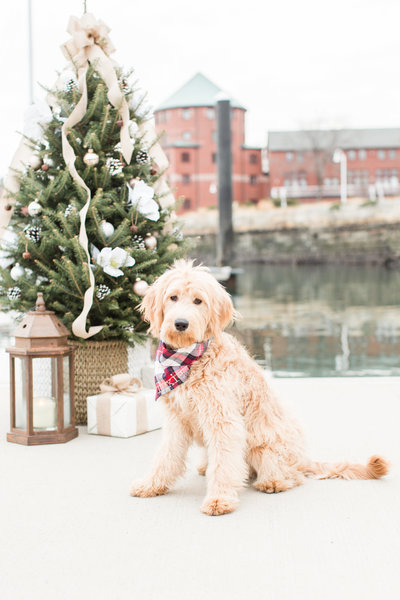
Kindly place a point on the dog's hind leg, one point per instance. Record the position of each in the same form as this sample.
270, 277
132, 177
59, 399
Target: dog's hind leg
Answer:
169, 462
273, 473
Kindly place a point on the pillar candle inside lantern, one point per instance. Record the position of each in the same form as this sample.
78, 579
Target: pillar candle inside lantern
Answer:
44, 413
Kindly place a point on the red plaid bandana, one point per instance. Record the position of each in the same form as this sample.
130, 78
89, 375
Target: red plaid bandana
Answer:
172, 366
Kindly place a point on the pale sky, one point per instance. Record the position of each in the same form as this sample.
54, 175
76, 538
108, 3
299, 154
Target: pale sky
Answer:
292, 64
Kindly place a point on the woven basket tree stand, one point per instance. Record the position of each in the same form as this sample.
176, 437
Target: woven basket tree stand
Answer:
94, 361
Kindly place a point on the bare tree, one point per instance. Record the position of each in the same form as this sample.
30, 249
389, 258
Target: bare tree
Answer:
322, 144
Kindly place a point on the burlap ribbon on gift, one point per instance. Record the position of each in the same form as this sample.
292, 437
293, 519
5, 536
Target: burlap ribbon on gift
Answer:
120, 384
90, 44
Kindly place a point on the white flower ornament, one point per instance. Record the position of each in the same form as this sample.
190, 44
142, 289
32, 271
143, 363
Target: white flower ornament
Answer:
141, 196
113, 259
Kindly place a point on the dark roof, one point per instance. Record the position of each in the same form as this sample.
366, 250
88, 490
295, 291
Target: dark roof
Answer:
198, 91
285, 141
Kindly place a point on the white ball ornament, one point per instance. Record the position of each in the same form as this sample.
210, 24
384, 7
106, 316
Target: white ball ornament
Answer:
17, 272
107, 228
34, 208
91, 158
140, 287
35, 162
150, 241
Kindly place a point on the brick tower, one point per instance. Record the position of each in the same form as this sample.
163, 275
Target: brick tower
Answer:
188, 118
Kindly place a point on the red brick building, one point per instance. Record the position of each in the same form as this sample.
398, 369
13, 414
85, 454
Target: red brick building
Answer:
301, 162
188, 119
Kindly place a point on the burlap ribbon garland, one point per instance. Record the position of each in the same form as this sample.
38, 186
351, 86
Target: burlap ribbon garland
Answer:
90, 44
148, 134
120, 384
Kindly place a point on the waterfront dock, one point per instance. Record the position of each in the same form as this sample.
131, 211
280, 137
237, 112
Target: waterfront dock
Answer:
70, 529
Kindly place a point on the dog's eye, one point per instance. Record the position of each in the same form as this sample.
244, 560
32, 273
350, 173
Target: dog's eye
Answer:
174, 298
197, 301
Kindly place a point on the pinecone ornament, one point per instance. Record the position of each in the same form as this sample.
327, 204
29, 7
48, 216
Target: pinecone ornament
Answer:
115, 166
124, 85
33, 232
139, 242
142, 157
102, 291
70, 208
14, 293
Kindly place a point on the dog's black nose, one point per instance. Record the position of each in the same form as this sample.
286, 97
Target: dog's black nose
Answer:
181, 324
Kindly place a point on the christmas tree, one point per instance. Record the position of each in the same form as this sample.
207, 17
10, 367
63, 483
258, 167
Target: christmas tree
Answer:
91, 221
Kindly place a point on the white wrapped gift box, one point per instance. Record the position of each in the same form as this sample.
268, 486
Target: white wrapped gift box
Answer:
121, 414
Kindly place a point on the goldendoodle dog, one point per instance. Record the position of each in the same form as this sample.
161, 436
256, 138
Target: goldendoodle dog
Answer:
217, 396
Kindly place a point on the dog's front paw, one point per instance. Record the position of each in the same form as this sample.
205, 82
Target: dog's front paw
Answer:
146, 489
218, 506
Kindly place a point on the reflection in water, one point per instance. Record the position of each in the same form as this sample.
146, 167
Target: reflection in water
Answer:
320, 320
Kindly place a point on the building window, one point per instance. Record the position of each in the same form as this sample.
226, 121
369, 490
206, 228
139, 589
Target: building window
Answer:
187, 204
295, 179
210, 113
358, 177
253, 159
387, 177
381, 154
253, 179
300, 157
392, 154
362, 155
186, 114
214, 157
351, 155
185, 179
185, 157
214, 136
186, 135
328, 181
289, 156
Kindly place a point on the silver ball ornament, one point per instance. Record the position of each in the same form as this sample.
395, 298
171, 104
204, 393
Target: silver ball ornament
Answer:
150, 241
140, 287
107, 228
91, 158
34, 208
17, 272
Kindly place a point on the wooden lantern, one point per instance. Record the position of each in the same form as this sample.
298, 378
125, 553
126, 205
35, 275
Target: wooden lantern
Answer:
41, 380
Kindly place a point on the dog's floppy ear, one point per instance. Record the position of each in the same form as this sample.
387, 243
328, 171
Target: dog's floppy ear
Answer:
222, 313
152, 308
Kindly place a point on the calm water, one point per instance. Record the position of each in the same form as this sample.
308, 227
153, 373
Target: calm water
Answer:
320, 320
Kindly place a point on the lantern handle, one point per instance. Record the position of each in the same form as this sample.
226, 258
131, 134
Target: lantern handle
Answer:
40, 305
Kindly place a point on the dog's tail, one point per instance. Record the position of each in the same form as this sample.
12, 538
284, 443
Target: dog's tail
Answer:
376, 468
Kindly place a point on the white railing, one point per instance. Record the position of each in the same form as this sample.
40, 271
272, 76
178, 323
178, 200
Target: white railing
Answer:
371, 191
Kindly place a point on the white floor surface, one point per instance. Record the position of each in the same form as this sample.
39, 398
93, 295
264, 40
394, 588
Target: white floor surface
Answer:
69, 529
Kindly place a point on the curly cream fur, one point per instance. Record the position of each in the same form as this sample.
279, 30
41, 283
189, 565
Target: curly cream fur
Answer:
226, 406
